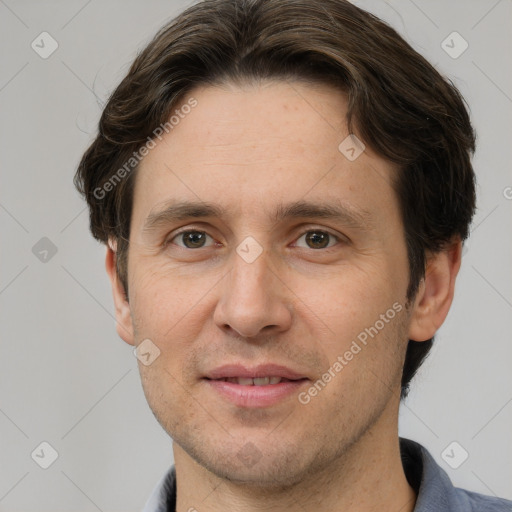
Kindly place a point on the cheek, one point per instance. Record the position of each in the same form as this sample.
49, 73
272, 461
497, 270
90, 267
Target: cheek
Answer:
351, 298
162, 302
171, 312
365, 364
362, 315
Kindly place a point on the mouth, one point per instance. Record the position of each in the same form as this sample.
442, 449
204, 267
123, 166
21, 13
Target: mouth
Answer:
257, 387
257, 381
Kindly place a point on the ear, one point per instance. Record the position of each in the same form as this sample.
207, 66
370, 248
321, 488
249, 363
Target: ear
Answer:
124, 325
435, 293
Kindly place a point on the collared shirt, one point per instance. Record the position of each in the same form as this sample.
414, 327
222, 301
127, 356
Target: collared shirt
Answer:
434, 490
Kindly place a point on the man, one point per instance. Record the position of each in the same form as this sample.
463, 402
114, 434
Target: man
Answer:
284, 188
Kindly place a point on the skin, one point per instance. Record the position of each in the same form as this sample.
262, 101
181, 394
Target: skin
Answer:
248, 148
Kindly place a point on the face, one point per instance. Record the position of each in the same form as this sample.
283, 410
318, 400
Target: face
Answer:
296, 276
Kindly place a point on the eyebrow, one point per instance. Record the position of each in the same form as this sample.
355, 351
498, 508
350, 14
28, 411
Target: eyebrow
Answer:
184, 210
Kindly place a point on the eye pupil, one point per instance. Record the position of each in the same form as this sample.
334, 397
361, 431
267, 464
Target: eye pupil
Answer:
196, 237
315, 237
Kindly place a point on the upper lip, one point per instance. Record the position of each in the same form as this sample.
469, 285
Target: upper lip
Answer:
262, 370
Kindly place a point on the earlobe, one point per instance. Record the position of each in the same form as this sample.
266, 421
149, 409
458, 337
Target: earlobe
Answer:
124, 325
435, 293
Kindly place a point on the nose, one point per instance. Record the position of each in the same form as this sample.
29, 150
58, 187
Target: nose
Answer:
254, 300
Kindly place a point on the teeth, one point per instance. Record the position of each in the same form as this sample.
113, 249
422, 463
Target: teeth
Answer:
261, 381
244, 381
258, 381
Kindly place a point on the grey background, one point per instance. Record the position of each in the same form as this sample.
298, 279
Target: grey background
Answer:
65, 376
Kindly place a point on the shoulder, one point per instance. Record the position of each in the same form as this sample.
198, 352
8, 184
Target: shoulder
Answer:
163, 497
434, 489
475, 502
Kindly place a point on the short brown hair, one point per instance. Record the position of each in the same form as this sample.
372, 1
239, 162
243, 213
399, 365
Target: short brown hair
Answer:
398, 104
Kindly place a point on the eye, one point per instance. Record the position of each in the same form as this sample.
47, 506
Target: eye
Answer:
195, 239
191, 239
317, 239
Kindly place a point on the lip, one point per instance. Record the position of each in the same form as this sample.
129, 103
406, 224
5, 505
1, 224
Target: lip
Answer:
254, 396
262, 370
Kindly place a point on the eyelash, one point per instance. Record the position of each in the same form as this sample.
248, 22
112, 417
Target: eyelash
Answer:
189, 230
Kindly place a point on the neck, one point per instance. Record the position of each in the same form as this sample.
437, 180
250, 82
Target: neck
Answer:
369, 477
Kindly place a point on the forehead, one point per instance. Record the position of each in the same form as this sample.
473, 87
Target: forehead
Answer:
295, 113
253, 146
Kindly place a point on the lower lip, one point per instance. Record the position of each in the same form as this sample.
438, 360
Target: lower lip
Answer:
256, 396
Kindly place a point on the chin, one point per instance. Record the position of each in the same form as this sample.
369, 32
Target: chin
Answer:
255, 464
268, 476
